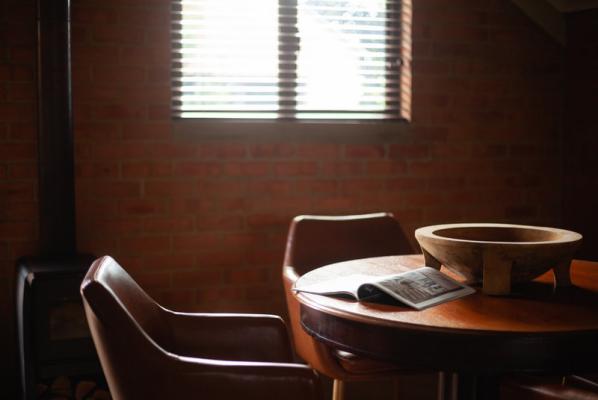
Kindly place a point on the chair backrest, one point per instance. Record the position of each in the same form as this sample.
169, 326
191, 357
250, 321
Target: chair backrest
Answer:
314, 241
129, 331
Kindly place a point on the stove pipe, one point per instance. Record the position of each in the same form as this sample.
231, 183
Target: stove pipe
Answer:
55, 131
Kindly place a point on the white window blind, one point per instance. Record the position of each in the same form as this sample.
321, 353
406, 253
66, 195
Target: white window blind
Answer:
291, 59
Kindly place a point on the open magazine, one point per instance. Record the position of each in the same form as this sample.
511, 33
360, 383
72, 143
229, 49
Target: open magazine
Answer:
419, 288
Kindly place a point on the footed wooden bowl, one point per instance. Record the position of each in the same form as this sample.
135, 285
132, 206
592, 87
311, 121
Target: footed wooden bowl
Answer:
499, 255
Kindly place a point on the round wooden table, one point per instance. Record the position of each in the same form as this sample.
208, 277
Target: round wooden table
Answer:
474, 339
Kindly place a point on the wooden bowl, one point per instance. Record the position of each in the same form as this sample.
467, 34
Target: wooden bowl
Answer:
499, 255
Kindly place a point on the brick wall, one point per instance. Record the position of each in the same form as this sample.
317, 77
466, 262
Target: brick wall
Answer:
581, 130
200, 217
18, 166
198, 213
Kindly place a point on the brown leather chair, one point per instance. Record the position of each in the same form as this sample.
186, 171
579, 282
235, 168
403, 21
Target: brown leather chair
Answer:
529, 387
315, 241
149, 352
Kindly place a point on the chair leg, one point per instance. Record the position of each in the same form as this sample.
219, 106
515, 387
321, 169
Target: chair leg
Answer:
338, 390
396, 389
447, 386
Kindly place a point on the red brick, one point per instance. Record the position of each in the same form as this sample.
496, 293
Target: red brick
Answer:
17, 190
4, 72
97, 131
272, 150
120, 112
158, 262
110, 189
196, 279
142, 55
118, 225
87, 205
139, 93
17, 248
219, 222
119, 34
247, 276
356, 187
177, 299
16, 230
169, 188
409, 151
270, 187
176, 225
220, 258
21, 91
421, 198
22, 171
222, 151
267, 221
197, 242
242, 240
18, 210
159, 112
94, 15
198, 169
15, 111
17, 151
317, 151
521, 211
153, 280
386, 167
22, 73
95, 55
160, 75
146, 169
145, 245
315, 187
97, 170
22, 55
249, 168
295, 168
142, 206
145, 16
210, 296
262, 292
23, 131
364, 151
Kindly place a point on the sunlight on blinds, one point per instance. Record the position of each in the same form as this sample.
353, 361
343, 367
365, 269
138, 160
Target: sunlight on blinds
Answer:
286, 58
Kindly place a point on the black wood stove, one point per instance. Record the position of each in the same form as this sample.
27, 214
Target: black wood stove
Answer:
54, 340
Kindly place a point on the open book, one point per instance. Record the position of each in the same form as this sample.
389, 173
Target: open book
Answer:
419, 288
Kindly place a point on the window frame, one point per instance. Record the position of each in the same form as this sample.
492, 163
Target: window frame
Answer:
404, 73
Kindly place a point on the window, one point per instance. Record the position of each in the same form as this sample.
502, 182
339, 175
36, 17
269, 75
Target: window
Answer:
291, 59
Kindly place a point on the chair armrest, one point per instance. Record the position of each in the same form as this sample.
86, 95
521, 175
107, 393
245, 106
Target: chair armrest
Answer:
289, 274
241, 337
247, 380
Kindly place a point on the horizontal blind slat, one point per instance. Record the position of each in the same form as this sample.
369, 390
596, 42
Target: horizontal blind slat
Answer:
286, 58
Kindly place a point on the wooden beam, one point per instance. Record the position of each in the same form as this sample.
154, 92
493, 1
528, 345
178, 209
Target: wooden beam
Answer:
546, 16
573, 5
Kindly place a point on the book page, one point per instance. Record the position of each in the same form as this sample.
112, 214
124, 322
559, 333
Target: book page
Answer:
420, 285
346, 285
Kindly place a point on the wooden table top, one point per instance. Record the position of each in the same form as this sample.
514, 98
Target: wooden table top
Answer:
534, 329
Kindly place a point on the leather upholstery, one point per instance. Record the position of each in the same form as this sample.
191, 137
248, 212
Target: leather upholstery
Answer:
572, 387
149, 352
314, 241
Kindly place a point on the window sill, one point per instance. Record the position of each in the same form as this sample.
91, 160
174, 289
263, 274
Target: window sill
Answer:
297, 130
